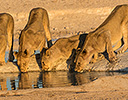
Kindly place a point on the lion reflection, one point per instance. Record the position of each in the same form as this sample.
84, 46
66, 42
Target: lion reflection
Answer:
28, 80
62, 78
50, 79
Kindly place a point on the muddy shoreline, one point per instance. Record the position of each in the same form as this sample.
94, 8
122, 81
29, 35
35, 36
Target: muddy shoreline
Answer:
68, 16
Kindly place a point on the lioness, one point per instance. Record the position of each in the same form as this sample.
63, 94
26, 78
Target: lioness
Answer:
107, 35
6, 36
33, 37
60, 51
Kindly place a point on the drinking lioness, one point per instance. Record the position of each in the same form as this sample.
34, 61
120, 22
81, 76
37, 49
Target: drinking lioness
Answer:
107, 35
6, 36
33, 37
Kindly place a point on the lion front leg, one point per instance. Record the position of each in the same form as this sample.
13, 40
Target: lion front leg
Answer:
2, 53
10, 29
125, 38
111, 54
2, 58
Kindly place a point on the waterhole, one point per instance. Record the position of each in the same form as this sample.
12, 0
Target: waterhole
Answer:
32, 80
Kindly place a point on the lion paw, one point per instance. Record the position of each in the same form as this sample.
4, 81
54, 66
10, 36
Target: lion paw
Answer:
45, 68
120, 51
79, 70
113, 59
123, 49
92, 61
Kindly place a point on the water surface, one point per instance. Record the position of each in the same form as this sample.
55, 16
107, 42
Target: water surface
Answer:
31, 80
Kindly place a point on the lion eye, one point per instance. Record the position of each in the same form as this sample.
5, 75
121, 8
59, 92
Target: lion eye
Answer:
24, 64
47, 54
84, 51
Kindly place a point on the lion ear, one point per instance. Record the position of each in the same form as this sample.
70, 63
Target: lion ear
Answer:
15, 54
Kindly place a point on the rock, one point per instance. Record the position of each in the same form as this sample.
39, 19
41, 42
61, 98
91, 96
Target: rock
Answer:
104, 65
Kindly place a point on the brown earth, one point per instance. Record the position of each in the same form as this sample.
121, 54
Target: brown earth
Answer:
67, 17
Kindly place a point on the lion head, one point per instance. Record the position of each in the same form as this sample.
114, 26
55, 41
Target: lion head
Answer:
22, 60
83, 58
50, 57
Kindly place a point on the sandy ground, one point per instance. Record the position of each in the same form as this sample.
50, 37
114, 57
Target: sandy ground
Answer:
67, 17
105, 88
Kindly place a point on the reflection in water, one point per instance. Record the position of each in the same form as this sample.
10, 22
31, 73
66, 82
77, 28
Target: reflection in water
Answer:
24, 81
28, 80
54, 79
3, 84
14, 81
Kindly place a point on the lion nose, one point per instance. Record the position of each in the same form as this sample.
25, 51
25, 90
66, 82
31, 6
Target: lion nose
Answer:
78, 63
43, 63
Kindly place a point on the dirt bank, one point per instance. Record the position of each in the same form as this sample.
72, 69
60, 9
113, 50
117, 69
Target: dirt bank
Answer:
67, 16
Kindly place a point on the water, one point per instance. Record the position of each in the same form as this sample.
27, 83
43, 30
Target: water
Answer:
6, 56
32, 80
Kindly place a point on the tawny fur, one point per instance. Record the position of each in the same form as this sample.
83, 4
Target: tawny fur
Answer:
33, 37
61, 51
6, 36
107, 35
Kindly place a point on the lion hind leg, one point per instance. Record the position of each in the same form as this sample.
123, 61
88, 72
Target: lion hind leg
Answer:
2, 58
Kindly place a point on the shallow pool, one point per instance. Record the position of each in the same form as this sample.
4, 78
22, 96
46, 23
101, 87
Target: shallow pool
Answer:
31, 80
